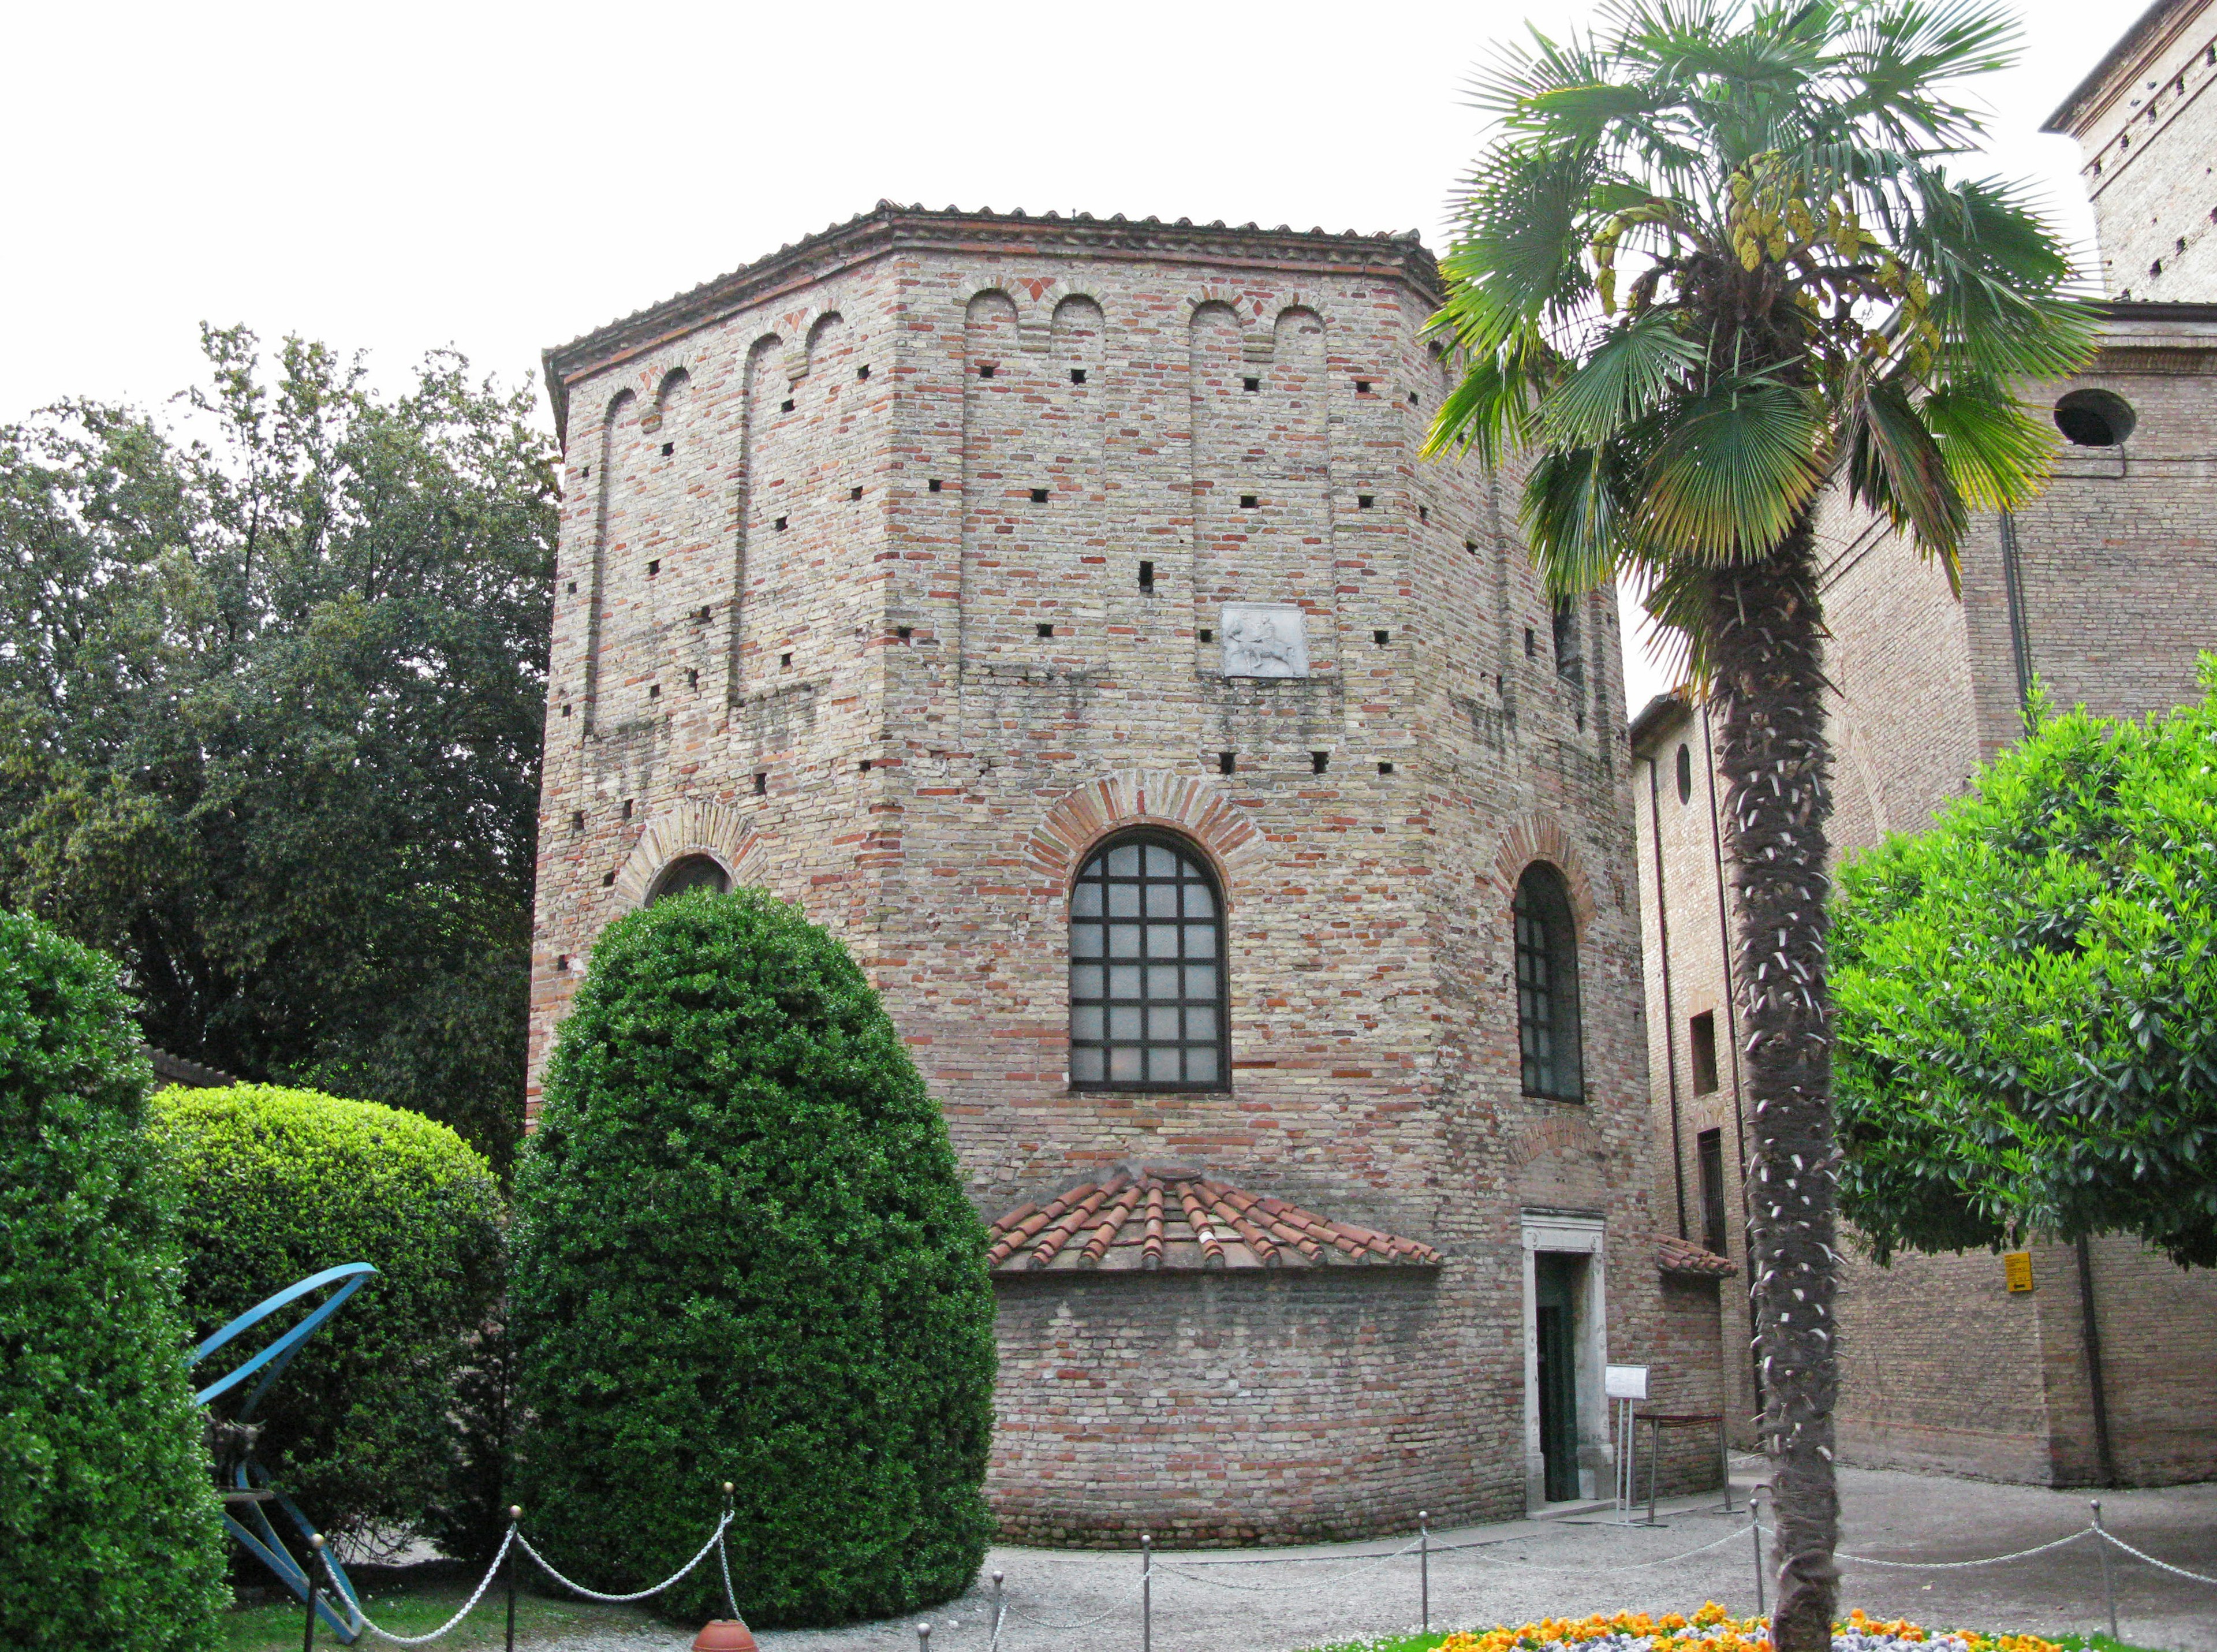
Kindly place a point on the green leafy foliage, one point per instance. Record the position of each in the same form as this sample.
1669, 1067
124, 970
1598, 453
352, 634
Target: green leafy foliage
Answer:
744, 1253
270, 712
2028, 999
280, 1183
108, 1533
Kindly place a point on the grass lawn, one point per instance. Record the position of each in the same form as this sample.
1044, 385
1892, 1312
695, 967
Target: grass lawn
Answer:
416, 1600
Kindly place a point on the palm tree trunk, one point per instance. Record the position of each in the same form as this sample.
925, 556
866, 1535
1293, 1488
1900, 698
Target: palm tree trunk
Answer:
1767, 692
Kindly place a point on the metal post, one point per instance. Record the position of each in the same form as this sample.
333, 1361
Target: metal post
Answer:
515, 1519
1755, 1531
1146, 1593
1654, 1457
996, 1605
2108, 1595
1424, 1568
1724, 1459
315, 1591
923, 1637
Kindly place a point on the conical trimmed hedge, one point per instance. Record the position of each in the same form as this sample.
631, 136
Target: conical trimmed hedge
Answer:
108, 1532
743, 1253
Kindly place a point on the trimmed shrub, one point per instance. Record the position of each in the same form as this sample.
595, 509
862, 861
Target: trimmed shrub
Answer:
108, 1532
280, 1184
743, 1252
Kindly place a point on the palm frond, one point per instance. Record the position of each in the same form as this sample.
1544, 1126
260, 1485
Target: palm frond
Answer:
1492, 409
1623, 379
1573, 512
1894, 465
1999, 454
1999, 277
1732, 472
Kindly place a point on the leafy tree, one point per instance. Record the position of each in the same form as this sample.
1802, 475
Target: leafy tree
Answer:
2028, 999
744, 1253
108, 1533
271, 700
276, 1184
1708, 261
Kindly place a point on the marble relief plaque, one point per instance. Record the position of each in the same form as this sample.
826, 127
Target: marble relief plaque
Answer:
1264, 640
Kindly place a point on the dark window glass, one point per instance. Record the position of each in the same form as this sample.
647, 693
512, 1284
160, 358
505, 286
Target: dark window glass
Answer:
692, 872
1704, 1044
1547, 987
1685, 775
1146, 970
1709, 1150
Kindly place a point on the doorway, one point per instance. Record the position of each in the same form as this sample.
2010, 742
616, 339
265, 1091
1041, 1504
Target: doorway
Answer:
1556, 1277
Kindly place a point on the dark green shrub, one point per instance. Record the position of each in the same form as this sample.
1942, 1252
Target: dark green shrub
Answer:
279, 1184
743, 1252
108, 1533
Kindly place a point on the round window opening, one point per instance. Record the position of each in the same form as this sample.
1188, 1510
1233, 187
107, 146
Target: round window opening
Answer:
692, 872
2094, 418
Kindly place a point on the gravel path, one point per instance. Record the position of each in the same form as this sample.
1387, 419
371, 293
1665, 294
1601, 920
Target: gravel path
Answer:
1285, 1599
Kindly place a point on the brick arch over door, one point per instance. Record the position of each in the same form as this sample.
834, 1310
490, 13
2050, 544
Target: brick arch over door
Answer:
690, 827
1179, 803
1540, 836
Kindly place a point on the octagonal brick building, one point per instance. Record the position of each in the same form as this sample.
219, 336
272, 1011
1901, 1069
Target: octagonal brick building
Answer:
1058, 609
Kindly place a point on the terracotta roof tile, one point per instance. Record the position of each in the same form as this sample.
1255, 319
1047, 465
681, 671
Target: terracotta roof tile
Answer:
1154, 1219
1683, 1256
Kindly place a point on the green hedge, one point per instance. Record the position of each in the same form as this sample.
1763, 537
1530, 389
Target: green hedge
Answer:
743, 1252
108, 1533
280, 1183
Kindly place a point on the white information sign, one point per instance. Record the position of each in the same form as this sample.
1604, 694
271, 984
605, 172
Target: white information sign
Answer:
1626, 1381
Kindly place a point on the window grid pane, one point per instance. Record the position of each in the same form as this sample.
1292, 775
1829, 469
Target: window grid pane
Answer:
1546, 993
1159, 1022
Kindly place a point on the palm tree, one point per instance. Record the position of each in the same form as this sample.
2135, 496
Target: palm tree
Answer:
1806, 298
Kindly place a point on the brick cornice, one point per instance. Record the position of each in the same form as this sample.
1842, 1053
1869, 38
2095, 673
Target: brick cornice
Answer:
890, 227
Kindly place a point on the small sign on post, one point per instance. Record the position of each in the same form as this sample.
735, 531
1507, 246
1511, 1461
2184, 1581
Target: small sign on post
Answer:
2016, 1270
1627, 1385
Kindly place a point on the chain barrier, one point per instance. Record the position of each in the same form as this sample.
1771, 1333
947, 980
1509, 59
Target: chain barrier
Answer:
1954, 1565
1014, 1611
715, 1539
1193, 1576
1542, 1566
363, 1619
2116, 1542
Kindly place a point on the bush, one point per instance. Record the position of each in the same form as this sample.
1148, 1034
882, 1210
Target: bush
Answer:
280, 1184
108, 1532
743, 1252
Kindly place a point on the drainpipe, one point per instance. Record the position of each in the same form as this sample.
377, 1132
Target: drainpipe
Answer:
1670, 1017
2013, 600
1732, 1036
2103, 1457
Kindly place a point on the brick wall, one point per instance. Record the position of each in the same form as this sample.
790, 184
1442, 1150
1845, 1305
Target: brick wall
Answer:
916, 710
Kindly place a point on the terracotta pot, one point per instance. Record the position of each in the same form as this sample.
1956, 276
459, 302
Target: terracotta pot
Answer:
724, 1635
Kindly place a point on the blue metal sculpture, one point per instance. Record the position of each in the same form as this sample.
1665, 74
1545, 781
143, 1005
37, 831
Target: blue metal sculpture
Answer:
248, 1487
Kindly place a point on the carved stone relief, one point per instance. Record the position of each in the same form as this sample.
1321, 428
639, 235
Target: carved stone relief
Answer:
1265, 639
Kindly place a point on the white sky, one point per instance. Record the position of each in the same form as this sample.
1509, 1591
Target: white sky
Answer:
398, 176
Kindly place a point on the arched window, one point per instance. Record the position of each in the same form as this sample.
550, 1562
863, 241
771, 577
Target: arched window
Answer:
1548, 985
691, 872
1146, 969
1685, 775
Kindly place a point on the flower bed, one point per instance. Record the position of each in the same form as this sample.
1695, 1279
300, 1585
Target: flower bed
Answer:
1715, 1630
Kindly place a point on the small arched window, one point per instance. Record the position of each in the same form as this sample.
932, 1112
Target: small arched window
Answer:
1547, 987
691, 872
1146, 969
1685, 775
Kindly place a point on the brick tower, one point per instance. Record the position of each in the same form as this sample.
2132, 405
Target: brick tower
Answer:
977, 581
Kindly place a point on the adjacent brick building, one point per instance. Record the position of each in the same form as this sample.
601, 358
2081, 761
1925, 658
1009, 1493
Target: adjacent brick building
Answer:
2103, 590
1057, 609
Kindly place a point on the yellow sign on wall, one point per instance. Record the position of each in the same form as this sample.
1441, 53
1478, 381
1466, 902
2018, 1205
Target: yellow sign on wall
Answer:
2017, 1268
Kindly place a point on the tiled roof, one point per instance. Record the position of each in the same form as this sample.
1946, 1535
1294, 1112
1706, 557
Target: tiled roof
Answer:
1157, 1219
1683, 1256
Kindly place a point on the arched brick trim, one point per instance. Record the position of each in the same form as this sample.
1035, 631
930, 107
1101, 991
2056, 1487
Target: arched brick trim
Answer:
1540, 836
692, 828
1181, 804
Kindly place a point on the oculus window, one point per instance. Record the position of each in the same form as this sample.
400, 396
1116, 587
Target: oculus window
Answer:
1146, 969
1547, 987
